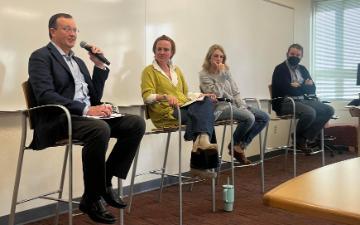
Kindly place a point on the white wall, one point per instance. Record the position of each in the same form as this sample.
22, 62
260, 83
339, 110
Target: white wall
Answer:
255, 34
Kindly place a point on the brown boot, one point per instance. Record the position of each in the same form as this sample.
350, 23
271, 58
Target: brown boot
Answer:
203, 142
239, 154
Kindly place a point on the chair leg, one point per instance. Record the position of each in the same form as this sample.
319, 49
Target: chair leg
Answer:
322, 147
288, 144
294, 145
18, 170
232, 146
121, 193
221, 153
70, 183
61, 187
262, 156
213, 181
261, 162
180, 176
131, 191
289, 134
163, 169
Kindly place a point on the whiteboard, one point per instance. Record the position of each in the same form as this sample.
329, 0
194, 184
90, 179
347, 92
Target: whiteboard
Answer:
254, 33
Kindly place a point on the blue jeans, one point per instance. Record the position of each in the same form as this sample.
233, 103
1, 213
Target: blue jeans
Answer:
198, 118
251, 121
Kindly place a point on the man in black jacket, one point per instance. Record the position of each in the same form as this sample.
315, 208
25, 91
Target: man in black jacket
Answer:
57, 76
290, 79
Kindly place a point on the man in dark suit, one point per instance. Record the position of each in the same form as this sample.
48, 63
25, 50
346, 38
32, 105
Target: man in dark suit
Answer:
57, 76
290, 79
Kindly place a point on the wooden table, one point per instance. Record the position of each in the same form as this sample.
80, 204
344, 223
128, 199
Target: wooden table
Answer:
331, 192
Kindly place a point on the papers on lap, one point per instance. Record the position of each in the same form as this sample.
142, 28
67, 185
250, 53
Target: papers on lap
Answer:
113, 115
201, 98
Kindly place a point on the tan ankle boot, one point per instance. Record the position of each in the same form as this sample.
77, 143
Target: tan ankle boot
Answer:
202, 142
239, 154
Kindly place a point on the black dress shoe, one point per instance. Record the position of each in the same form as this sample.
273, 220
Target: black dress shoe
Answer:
113, 200
314, 144
304, 148
96, 211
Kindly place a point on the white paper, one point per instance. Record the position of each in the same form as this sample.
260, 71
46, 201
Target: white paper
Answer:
201, 98
113, 115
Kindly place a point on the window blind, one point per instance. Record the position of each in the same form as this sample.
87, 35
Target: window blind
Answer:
336, 48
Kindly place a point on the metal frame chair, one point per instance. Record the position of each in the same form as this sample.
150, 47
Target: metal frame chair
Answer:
162, 171
68, 157
231, 123
68, 143
232, 163
292, 129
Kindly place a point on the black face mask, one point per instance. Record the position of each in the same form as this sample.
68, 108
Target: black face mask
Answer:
293, 60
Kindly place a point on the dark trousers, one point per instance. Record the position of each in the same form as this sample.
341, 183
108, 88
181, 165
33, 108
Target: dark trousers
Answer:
95, 134
198, 118
312, 116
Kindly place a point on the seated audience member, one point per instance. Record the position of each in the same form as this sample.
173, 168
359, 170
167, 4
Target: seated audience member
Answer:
215, 78
290, 79
57, 76
163, 89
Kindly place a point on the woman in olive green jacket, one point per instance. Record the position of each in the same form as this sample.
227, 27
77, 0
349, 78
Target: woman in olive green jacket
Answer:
164, 88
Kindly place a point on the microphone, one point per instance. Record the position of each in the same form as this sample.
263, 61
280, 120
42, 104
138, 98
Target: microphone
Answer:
101, 57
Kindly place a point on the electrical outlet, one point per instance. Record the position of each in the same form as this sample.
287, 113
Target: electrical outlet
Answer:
275, 129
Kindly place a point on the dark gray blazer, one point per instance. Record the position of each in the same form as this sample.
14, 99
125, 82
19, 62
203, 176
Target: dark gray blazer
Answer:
52, 83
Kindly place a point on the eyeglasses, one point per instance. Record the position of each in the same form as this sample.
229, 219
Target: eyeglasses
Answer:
69, 29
